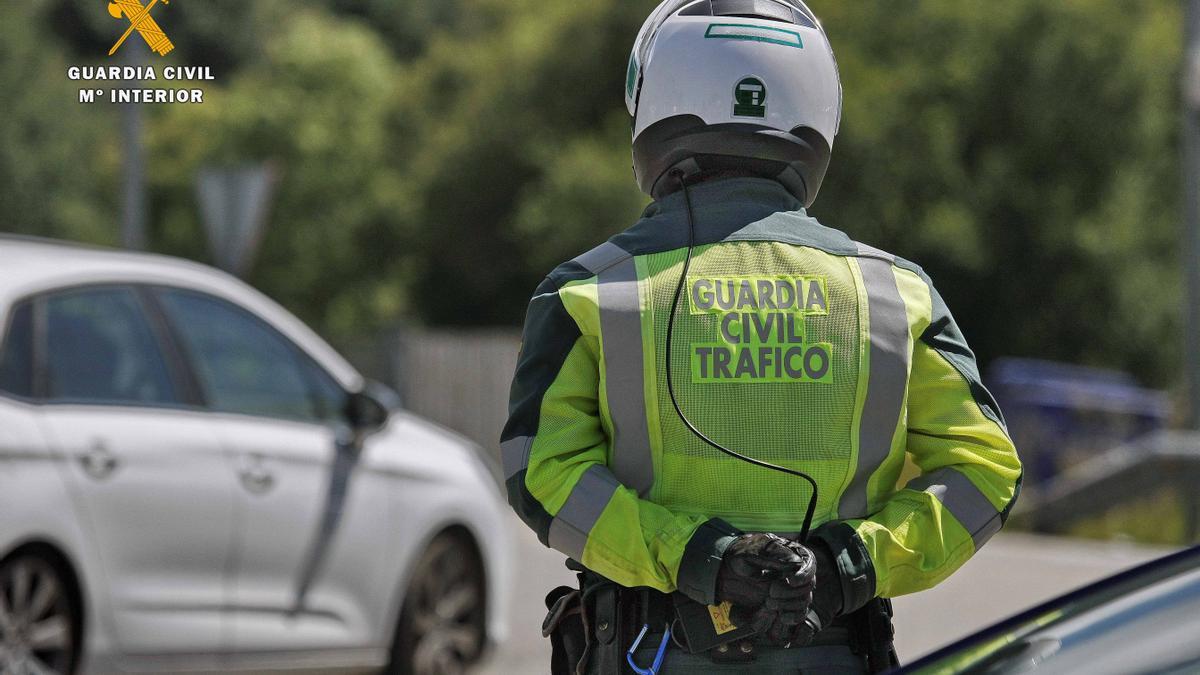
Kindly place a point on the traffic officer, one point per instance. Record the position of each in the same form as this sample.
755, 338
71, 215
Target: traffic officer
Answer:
698, 391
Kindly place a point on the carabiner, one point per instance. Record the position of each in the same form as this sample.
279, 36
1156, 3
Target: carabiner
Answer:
658, 658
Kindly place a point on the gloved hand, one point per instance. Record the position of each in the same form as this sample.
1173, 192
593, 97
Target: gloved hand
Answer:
826, 599
769, 581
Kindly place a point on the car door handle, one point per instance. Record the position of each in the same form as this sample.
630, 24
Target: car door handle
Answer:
98, 462
257, 479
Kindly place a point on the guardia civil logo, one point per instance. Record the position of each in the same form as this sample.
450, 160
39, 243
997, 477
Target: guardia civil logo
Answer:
750, 98
138, 17
137, 82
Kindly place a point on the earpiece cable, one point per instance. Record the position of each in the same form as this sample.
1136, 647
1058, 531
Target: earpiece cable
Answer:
812, 502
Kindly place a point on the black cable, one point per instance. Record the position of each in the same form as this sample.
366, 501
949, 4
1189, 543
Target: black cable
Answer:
812, 502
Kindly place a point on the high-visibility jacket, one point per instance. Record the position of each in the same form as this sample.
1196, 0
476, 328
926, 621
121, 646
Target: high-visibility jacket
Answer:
793, 344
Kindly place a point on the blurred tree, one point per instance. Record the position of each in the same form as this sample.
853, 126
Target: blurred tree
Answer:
315, 105
57, 157
407, 26
1025, 154
517, 153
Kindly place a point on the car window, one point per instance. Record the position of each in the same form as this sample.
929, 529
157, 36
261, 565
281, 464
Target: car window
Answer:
16, 363
100, 349
243, 365
329, 396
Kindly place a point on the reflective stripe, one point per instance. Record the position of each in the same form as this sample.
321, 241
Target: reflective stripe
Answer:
621, 337
963, 500
602, 257
514, 453
570, 528
887, 380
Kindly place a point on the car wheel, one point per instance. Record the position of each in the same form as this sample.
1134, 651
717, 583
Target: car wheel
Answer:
39, 622
442, 622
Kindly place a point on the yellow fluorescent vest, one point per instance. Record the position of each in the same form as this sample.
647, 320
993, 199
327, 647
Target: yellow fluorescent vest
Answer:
794, 345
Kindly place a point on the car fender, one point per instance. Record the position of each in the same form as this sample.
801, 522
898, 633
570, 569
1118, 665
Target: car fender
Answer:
452, 487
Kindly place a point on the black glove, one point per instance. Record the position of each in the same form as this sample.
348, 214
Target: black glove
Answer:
769, 581
826, 599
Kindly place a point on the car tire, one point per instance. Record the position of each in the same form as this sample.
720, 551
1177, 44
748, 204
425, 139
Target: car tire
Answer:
40, 620
442, 627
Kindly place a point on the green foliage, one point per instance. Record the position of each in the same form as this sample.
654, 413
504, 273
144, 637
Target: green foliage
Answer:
316, 106
438, 157
1025, 154
57, 159
406, 26
505, 128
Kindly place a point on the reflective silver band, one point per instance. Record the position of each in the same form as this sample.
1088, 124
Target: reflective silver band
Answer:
602, 257
570, 528
887, 380
514, 454
621, 337
970, 507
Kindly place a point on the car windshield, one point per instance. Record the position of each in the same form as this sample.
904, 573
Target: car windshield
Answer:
1145, 620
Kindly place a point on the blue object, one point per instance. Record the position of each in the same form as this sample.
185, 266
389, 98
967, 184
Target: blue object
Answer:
1060, 414
658, 657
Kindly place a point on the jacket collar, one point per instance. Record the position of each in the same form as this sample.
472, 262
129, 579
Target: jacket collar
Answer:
720, 207
758, 192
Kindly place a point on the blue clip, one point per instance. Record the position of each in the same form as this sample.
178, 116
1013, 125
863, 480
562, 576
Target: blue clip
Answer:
658, 658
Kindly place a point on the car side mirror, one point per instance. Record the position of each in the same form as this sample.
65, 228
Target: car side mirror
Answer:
365, 412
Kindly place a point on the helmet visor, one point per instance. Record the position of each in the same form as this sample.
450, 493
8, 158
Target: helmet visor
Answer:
802, 8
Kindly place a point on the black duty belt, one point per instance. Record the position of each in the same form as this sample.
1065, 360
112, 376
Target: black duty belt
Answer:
617, 614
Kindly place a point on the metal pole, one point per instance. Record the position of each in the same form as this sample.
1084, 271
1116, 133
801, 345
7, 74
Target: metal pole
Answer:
133, 193
1191, 209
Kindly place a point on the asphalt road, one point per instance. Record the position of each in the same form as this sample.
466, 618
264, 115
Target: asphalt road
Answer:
1014, 572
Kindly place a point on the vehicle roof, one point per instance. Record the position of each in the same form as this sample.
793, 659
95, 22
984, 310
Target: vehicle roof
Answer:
31, 265
1140, 620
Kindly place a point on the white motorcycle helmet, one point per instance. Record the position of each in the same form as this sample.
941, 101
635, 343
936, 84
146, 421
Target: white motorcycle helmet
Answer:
746, 85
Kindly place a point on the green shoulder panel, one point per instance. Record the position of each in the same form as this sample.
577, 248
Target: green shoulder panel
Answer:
799, 229
944, 336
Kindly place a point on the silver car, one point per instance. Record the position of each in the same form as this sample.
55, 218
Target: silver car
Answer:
191, 479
